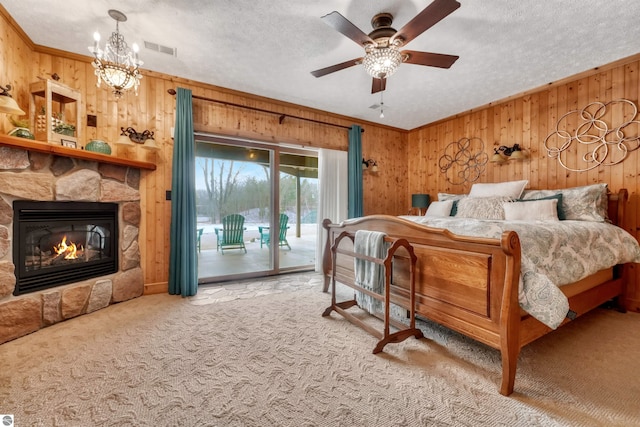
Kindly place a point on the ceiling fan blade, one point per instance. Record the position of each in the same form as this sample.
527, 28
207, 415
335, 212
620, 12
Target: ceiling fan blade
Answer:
430, 59
332, 69
378, 85
426, 19
344, 26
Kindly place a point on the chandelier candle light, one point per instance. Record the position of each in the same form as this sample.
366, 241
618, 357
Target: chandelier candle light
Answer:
116, 65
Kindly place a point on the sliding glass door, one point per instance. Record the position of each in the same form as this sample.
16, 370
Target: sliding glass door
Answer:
256, 209
298, 198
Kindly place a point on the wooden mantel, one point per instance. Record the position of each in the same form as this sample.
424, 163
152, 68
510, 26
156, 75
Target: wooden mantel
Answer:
43, 147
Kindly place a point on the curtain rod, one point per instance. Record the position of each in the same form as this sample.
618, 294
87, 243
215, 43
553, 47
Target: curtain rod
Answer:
281, 115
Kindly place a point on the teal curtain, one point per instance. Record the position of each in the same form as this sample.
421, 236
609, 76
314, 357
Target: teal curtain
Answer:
183, 259
356, 201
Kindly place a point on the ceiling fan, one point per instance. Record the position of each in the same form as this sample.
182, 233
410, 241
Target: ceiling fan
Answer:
382, 45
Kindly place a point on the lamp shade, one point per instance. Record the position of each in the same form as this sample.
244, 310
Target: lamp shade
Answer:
517, 155
497, 158
124, 140
420, 201
9, 105
150, 144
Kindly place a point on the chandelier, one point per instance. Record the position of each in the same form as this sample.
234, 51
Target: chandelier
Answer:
382, 62
116, 65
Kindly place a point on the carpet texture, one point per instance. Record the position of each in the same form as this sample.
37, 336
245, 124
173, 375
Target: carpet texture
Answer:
272, 360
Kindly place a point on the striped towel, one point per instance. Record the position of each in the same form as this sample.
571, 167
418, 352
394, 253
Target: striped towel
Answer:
369, 275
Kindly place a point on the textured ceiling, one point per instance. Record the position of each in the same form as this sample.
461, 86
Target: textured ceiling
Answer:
268, 48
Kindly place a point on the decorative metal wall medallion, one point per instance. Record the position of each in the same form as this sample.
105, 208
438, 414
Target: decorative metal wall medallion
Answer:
463, 160
608, 131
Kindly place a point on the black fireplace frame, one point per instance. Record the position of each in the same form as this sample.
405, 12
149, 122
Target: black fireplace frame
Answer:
63, 212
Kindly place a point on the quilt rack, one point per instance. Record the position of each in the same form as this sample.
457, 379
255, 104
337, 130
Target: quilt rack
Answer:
385, 336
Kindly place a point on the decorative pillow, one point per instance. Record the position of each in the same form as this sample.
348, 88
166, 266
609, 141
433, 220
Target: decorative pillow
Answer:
587, 203
482, 207
439, 208
558, 197
454, 197
454, 208
511, 189
448, 196
532, 210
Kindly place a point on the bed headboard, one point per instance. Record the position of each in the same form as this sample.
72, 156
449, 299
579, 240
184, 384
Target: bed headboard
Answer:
617, 204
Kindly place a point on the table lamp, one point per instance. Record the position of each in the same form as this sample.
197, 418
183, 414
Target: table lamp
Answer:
420, 201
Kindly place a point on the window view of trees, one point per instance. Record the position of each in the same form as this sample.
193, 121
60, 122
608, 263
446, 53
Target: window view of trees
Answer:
227, 186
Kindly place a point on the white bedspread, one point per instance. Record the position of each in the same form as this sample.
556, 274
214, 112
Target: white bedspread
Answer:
554, 253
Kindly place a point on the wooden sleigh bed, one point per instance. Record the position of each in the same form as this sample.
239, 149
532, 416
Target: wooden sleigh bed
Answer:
470, 284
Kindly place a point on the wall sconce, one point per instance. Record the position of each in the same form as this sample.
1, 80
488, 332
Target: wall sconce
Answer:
9, 105
129, 136
420, 201
370, 163
504, 153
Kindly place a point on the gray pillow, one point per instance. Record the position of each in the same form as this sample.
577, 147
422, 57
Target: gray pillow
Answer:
482, 207
586, 203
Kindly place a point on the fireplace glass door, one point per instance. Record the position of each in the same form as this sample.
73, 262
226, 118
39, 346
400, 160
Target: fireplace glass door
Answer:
63, 242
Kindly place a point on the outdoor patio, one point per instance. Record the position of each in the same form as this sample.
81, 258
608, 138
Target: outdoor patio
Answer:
212, 263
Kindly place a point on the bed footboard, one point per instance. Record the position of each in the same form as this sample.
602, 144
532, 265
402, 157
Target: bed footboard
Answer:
470, 284
467, 284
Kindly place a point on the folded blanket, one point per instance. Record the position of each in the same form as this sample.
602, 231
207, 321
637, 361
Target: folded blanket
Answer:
369, 275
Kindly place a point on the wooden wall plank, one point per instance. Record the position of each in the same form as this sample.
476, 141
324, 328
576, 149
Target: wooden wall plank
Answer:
153, 109
529, 119
408, 161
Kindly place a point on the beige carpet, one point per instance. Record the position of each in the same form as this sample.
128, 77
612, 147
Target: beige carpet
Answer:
274, 361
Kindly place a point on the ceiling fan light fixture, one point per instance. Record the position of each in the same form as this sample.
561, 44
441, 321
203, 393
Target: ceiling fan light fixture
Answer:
382, 62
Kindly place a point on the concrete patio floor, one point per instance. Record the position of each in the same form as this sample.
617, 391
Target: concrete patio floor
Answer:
213, 264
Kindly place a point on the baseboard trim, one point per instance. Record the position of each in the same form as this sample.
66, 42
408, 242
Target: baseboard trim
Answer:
156, 288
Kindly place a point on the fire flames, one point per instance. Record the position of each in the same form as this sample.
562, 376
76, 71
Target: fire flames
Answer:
70, 251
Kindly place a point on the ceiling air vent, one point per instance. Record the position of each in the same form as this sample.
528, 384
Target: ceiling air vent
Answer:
162, 49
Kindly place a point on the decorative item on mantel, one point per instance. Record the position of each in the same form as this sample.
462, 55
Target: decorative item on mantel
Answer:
116, 65
54, 111
463, 160
21, 129
98, 146
21, 133
129, 135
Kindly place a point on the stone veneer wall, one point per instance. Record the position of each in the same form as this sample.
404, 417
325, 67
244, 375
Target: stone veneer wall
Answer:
43, 177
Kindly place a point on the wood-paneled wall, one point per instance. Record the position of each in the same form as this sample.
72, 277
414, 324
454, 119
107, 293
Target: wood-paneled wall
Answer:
22, 63
527, 120
408, 161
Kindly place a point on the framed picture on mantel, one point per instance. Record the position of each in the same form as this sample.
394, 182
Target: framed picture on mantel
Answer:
68, 143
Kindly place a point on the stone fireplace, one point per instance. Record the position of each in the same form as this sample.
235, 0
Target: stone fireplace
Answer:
108, 241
